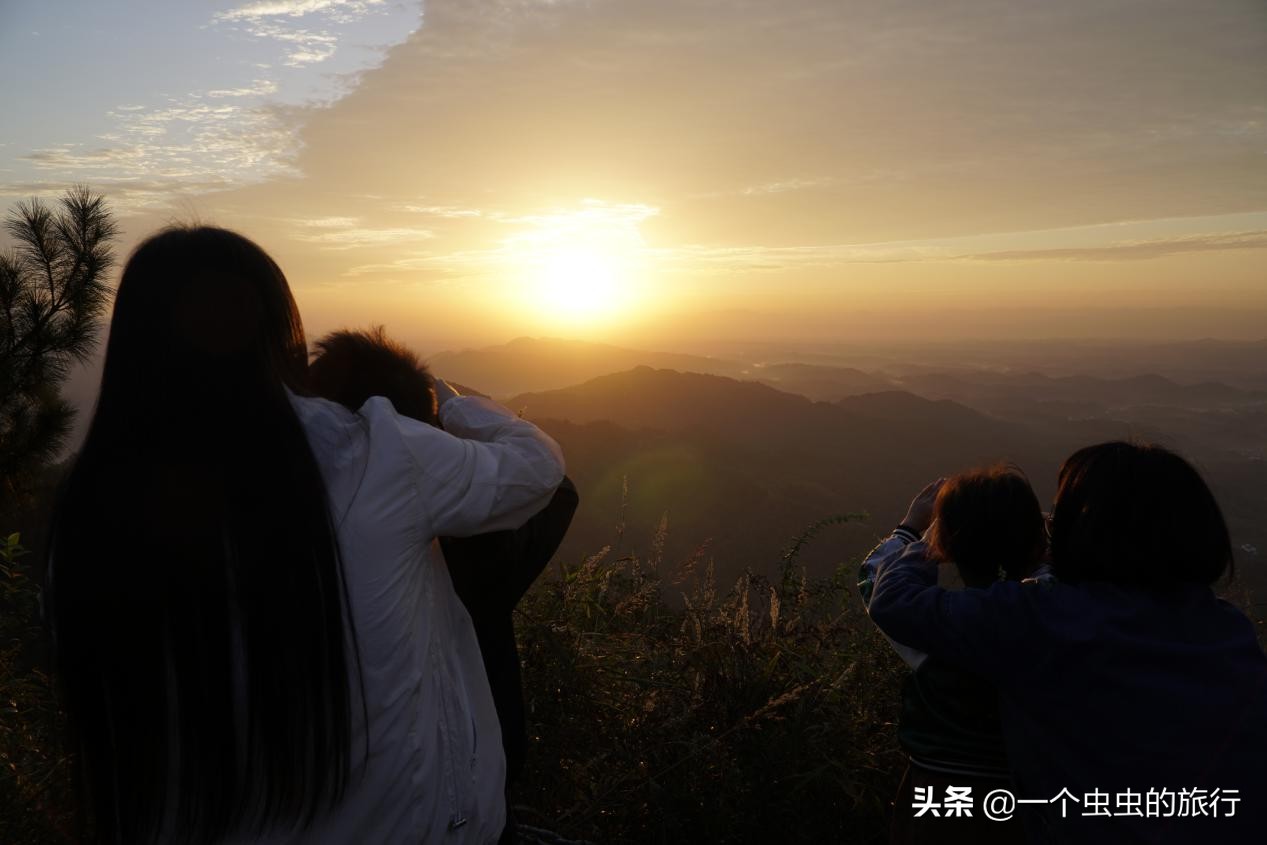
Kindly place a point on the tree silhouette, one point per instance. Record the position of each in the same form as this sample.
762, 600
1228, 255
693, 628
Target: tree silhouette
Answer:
52, 295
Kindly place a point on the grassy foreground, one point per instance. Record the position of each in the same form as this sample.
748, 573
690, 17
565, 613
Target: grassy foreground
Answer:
666, 708
662, 707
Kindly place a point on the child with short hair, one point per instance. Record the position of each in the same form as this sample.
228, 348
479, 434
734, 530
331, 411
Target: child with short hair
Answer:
988, 524
490, 572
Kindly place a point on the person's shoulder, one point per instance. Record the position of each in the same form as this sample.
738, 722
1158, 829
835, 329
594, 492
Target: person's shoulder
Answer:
1038, 600
389, 429
322, 418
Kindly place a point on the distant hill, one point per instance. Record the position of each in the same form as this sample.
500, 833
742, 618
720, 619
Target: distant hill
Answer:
1149, 389
673, 401
748, 467
1240, 364
537, 364
670, 400
534, 364
817, 381
901, 405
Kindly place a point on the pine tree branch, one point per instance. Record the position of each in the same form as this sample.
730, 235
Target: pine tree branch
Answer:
52, 295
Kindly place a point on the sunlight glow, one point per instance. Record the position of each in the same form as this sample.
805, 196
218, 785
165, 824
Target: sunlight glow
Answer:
580, 283
580, 267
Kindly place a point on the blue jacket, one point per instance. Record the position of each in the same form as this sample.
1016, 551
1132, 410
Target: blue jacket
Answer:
950, 718
1105, 690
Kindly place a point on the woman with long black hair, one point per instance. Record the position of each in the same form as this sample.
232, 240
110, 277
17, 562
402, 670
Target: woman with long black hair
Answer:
255, 635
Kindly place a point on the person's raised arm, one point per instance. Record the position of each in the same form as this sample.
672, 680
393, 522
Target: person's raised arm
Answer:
908, 531
487, 470
888, 548
984, 631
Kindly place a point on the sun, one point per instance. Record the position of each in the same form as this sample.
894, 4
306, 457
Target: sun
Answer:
579, 283
582, 269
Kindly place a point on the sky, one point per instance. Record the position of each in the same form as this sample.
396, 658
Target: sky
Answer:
468, 171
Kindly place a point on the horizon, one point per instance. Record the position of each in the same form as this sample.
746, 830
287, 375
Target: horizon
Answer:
478, 172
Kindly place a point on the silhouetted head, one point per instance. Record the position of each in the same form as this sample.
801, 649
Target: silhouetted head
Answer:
350, 367
195, 591
208, 306
989, 524
1136, 515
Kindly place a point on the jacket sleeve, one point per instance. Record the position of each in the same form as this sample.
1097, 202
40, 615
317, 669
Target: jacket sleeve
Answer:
488, 470
492, 572
985, 631
540, 537
887, 550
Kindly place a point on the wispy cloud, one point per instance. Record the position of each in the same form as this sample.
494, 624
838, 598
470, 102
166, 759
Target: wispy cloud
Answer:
343, 233
725, 259
304, 46
1134, 250
446, 211
610, 227
189, 144
188, 137
308, 44
243, 130
261, 88
783, 186
295, 8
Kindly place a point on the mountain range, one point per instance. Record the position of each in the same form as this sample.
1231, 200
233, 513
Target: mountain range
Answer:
746, 455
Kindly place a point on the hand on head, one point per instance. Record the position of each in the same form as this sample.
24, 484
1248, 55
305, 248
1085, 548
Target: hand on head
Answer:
444, 392
920, 514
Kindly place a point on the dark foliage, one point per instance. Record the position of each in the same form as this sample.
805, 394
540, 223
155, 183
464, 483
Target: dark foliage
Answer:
52, 293
759, 713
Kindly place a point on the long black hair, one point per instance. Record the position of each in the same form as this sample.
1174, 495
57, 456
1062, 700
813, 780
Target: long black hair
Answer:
203, 640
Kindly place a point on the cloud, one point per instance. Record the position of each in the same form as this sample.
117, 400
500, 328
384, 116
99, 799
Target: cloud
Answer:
124, 194
409, 264
1135, 250
343, 233
296, 8
812, 121
224, 136
262, 87
304, 46
519, 238
307, 44
187, 144
445, 211
782, 186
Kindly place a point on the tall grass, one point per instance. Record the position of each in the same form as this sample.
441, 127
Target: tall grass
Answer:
35, 774
663, 707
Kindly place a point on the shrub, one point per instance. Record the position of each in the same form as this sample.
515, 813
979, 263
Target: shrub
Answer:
35, 779
763, 712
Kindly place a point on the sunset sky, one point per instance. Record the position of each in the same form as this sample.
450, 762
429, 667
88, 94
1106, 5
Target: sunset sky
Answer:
467, 171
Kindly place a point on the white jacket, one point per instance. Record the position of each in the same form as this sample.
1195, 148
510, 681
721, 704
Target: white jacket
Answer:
436, 770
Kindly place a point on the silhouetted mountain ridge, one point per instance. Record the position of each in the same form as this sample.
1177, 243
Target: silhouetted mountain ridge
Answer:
748, 466
535, 364
1149, 388
742, 410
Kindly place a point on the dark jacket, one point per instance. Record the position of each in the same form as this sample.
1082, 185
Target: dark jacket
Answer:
1105, 690
491, 573
950, 717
